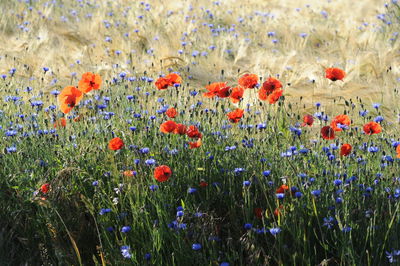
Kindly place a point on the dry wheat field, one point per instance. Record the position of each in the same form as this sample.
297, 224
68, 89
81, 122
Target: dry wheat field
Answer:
197, 132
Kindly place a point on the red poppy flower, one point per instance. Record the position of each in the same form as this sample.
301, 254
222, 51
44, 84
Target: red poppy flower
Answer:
115, 144
271, 84
171, 112
174, 78
236, 115
128, 173
270, 90
258, 212
372, 128
334, 74
68, 98
62, 122
308, 120
196, 144
163, 83
224, 92
168, 126
237, 94
89, 82
327, 132
180, 129
398, 151
248, 81
345, 149
193, 132
162, 173
214, 88
342, 120
282, 189
203, 183
277, 211
274, 96
45, 188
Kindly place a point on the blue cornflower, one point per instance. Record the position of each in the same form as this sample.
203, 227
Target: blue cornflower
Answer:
296, 131
266, 173
298, 194
147, 256
248, 226
337, 182
104, 211
378, 119
376, 105
280, 195
238, 170
346, 229
125, 251
179, 213
363, 113
125, 229
373, 149
275, 230
150, 162
153, 187
192, 190
196, 246
316, 193
144, 150
329, 222
11, 149
246, 183
95, 183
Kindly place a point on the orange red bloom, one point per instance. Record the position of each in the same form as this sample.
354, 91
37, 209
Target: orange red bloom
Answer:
282, 189
236, 115
168, 126
62, 122
115, 144
327, 133
308, 120
248, 81
162, 173
343, 120
68, 98
271, 84
372, 128
270, 90
224, 92
345, 149
236, 94
171, 112
171, 79
196, 144
89, 82
128, 173
274, 96
193, 132
335, 74
45, 188
214, 88
398, 151
180, 129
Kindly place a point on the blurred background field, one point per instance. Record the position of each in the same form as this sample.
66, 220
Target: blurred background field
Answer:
295, 40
